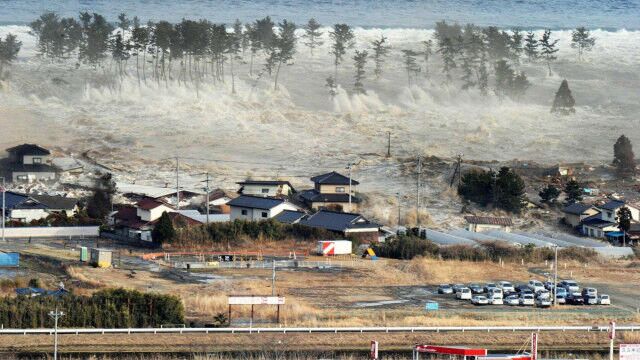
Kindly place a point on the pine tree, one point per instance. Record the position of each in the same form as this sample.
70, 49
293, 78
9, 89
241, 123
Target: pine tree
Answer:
9, 49
549, 194
331, 86
360, 60
343, 39
531, 46
573, 191
163, 232
448, 53
582, 40
380, 52
548, 48
410, 64
312, 35
504, 76
426, 54
623, 157
563, 102
624, 217
285, 43
516, 45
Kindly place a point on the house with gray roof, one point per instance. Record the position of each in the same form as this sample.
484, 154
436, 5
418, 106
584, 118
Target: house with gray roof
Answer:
575, 213
331, 191
290, 217
345, 224
610, 209
27, 163
266, 188
23, 208
256, 208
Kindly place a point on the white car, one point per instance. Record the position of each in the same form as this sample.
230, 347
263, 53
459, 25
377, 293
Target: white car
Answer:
496, 293
535, 286
543, 302
464, 294
545, 294
561, 299
506, 286
570, 285
604, 299
495, 300
480, 300
512, 300
527, 299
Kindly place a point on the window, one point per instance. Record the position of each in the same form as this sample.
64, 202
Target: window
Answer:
340, 189
265, 214
37, 160
609, 214
22, 178
244, 212
265, 191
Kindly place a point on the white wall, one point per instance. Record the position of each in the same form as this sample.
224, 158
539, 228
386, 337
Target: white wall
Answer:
33, 176
256, 214
27, 215
153, 214
26, 232
28, 159
610, 215
273, 190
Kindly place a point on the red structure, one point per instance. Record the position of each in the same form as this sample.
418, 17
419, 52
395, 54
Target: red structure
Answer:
458, 352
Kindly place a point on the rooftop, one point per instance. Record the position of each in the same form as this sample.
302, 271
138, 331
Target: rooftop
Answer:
148, 204
576, 208
56, 202
338, 221
264, 182
489, 220
255, 202
333, 178
290, 216
613, 205
315, 196
28, 149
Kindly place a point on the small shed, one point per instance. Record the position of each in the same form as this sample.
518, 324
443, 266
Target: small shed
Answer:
334, 247
488, 223
101, 257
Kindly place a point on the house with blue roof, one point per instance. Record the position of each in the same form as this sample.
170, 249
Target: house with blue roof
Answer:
256, 208
23, 208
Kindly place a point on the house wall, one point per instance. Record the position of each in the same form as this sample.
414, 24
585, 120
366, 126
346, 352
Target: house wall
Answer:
28, 159
335, 206
257, 214
27, 215
33, 176
610, 215
364, 235
153, 214
595, 232
272, 190
69, 212
334, 189
572, 219
487, 227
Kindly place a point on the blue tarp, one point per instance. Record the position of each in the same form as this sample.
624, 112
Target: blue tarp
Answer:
9, 259
614, 234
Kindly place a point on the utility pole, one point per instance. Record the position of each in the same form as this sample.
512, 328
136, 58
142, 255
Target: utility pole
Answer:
459, 169
55, 315
273, 279
349, 168
398, 195
207, 190
418, 173
4, 190
555, 275
177, 183
388, 143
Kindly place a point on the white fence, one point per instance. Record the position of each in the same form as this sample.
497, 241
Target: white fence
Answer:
247, 330
51, 232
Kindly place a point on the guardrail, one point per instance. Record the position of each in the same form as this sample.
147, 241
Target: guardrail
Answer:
245, 330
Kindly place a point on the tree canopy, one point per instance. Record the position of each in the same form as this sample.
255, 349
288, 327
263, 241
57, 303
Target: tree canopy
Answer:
563, 103
504, 190
623, 157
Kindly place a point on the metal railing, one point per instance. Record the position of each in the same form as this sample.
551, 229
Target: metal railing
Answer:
284, 330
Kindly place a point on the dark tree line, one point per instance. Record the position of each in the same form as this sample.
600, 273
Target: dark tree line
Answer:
9, 49
114, 308
503, 189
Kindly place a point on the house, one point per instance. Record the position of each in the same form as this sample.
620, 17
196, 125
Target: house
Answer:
575, 213
266, 188
345, 224
151, 209
290, 217
488, 223
137, 222
23, 208
255, 208
202, 218
58, 204
219, 200
126, 223
597, 227
610, 209
135, 192
331, 191
27, 163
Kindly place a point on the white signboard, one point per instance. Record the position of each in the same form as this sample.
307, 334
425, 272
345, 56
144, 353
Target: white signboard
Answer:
629, 351
256, 300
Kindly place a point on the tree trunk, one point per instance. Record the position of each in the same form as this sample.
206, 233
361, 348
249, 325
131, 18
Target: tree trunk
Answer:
144, 63
138, 68
251, 65
233, 79
275, 83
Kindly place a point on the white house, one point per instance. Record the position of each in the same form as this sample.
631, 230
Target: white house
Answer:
488, 223
256, 208
28, 162
266, 188
609, 210
151, 209
23, 208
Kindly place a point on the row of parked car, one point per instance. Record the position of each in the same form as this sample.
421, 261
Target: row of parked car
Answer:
532, 293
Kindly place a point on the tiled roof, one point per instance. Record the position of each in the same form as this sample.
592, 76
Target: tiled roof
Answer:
289, 216
29, 149
315, 196
597, 221
489, 220
148, 204
264, 182
338, 221
576, 208
56, 202
333, 178
255, 202
612, 205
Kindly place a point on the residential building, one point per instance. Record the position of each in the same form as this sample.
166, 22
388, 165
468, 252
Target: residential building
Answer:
58, 204
610, 209
597, 227
345, 224
290, 216
23, 208
331, 191
266, 188
575, 213
488, 223
219, 201
136, 192
256, 208
27, 163
151, 209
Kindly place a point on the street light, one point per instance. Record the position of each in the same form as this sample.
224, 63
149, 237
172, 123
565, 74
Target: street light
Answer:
4, 190
55, 315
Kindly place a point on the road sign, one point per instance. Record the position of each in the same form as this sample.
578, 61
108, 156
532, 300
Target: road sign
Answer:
534, 346
612, 330
373, 355
256, 300
629, 351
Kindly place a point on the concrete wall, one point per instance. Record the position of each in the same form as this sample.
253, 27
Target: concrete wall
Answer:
487, 227
27, 215
36, 232
153, 214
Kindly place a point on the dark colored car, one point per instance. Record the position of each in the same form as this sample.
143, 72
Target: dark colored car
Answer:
575, 300
476, 289
522, 287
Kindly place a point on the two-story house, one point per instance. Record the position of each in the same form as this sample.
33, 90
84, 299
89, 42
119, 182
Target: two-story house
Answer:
255, 208
331, 191
28, 162
266, 188
575, 213
605, 221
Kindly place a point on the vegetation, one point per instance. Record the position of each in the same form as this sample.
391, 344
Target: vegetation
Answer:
101, 202
405, 247
380, 52
312, 35
343, 39
360, 61
549, 195
573, 191
582, 40
9, 49
548, 48
503, 190
623, 157
624, 218
113, 308
164, 232
563, 102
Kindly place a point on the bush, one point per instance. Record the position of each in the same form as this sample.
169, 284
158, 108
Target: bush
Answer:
405, 247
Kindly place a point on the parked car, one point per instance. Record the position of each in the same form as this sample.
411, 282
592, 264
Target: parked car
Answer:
561, 291
496, 292
476, 288
506, 287
522, 287
480, 300
535, 285
588, 291
561, 299
590, 300
549, 285
604, 299
489, 286
445, 289
543, 302
464, 294
512, 300
527, 299
495, 300
457, 287
570, 285
545, 294
575, 299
